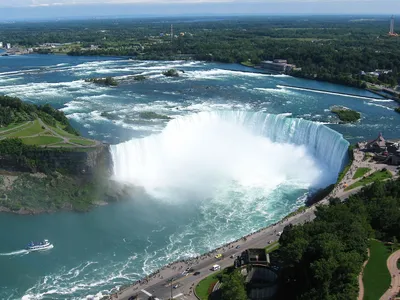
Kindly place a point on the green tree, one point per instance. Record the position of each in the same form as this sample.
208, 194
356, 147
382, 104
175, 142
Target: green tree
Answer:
395, 244
233, 287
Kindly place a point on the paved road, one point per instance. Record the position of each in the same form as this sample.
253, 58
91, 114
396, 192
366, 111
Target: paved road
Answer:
395, 274
159, 286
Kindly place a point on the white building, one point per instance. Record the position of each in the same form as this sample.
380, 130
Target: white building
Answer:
1, 44
8, 46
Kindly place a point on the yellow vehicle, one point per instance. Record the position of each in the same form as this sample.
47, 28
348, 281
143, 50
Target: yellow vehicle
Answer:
218, 256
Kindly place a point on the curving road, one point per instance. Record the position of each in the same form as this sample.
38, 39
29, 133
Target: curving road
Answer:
394, 288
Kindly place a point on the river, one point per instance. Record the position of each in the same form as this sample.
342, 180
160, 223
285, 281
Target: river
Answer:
229, 162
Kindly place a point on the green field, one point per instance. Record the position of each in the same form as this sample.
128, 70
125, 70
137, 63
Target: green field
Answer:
82, 142
344, 172
42, 140
30, 130
272, 247
204, 285
62, 132
37, 133
12, 126
377, 176
376, 275
361, 172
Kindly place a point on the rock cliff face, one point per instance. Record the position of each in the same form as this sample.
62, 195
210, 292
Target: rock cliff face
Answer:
77, 162
49, 180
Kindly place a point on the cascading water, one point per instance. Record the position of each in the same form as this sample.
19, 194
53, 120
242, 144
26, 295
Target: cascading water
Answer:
199, 154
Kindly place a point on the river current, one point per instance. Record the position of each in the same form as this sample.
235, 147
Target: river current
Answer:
239, 153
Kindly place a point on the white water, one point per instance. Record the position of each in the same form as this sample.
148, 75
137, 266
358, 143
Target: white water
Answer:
19, 252
197, 155
331, 93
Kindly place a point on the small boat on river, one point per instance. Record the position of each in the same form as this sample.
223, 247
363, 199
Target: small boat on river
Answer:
44, 245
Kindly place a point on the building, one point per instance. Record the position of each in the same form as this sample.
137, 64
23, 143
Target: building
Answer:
378, 145
391, 29
252, 256
1, 44
384, 151
279, 65
8, 46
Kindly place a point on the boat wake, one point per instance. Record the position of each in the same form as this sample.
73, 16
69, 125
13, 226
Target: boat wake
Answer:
19, 252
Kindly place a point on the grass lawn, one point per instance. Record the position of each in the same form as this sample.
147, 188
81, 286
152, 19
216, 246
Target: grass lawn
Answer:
12, 126
41, 140
376, 275
62, 132
204, 285
344, 172
82, 142
64, 145
377, 176
247, 64
33, 129
361, 172
272, 247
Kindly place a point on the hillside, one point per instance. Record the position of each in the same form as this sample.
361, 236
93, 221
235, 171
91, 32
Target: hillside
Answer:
46, 166
38, 125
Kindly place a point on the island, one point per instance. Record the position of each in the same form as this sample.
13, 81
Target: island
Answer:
139, 77
346, 115
150, 115
104, 81
171, 73
46, 166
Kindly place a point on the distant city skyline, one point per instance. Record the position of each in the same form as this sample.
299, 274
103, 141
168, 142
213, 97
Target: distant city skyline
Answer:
47, 9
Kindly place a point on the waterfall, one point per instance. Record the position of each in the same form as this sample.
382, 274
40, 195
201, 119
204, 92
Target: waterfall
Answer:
199, 152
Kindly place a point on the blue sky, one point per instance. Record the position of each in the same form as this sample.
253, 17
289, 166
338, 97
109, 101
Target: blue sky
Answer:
13, 9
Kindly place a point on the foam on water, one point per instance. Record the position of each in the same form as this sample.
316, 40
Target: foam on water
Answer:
208, 150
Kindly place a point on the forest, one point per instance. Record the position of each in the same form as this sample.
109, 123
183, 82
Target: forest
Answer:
328, 48
322, 259
13, 111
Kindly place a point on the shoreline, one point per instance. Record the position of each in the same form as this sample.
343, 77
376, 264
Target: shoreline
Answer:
256, 69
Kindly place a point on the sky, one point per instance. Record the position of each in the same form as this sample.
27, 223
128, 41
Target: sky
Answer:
36, 9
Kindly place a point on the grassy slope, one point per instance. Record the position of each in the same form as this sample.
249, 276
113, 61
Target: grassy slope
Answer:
82, 142
203, 286
376, 275
42, 140
361, 172
377, 176
12, 126
35, 134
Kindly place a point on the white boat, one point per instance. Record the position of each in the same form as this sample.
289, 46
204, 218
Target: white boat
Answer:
44, 245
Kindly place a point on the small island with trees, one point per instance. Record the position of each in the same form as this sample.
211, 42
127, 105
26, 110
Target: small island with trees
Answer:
171, 73
110, 81
346, 115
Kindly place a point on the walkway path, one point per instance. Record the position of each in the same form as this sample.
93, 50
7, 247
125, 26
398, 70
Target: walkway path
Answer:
394, 288
360, 280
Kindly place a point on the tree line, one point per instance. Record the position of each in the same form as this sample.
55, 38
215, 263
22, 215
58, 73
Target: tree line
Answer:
322, 259
14, 110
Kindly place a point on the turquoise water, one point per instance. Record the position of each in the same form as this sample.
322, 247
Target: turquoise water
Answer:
115, 244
